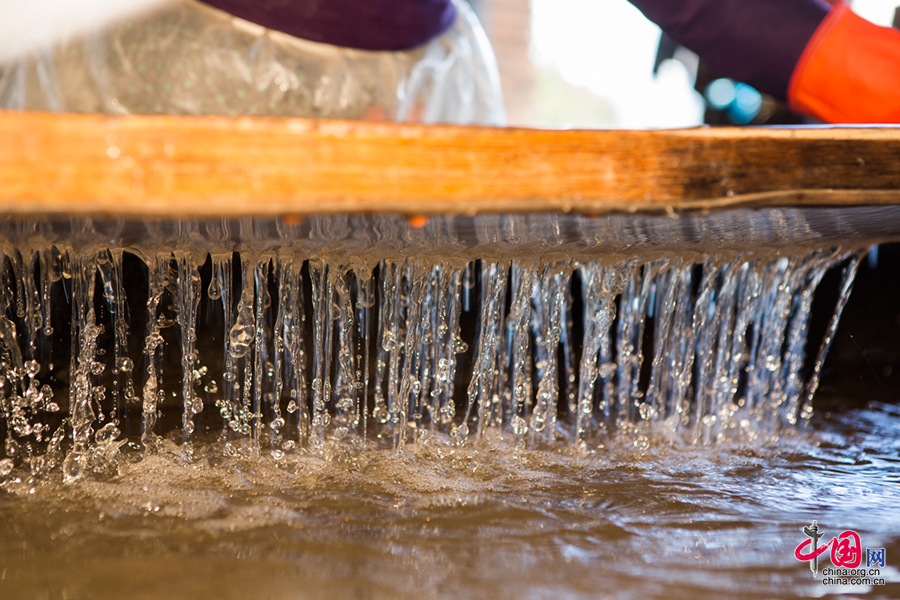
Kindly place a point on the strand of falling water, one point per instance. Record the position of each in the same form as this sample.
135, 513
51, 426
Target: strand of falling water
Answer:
12, 374
749, 295
34, 396
599, 312
633, 314
364, 300
153, 349
441, 351
220, 286
525, 278
501, 409
345, 394
294, 326
384, 341
187, 301
547, 315
241, 336
847, 278
111, 274
410, 385
662, 315
781, 280
428, 348
612, 280
713, 350
322, 324
722, 381
679, 348
263, 370
694, 346
32, 303
448, 343
82, 367
493, 288
567, 342
795, 337
398, 302
282, 266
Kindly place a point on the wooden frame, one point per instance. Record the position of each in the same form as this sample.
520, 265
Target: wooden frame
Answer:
177, 166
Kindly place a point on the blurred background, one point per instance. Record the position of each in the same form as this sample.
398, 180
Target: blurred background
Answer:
600, 63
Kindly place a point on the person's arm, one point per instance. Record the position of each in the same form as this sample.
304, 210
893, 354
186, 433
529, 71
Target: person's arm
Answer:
826, 63
363, 24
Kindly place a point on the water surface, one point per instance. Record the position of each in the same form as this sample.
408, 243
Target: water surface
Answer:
641, 517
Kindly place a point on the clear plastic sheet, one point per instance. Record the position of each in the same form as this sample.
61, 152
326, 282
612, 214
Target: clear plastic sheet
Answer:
188, 58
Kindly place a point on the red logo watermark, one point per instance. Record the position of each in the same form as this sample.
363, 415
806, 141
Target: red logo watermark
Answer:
846, 556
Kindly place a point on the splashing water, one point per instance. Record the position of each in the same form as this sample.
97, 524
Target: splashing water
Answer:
287, 336
509, 406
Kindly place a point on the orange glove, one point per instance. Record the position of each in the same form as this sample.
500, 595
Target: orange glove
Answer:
849, 71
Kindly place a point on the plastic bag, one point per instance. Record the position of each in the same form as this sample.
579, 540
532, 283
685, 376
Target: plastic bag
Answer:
189, 58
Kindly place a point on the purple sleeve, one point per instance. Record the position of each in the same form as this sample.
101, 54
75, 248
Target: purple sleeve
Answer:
755, 41
363, 24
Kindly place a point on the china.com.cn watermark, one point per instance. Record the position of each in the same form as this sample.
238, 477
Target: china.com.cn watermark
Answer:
846, 558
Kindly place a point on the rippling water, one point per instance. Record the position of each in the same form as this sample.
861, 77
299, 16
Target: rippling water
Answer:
639, 518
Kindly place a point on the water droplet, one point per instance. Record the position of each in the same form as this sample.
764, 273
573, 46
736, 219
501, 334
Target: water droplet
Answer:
107, 433
241, 336
74, 466
32, 368
12, 447
519, 425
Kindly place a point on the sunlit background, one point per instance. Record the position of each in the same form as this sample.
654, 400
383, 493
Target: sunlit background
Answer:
589, 63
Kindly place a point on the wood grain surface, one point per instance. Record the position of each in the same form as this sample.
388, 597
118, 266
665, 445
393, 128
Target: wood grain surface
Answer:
176, 166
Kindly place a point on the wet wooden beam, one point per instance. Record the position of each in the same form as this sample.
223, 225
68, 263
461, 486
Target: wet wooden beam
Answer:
174, 166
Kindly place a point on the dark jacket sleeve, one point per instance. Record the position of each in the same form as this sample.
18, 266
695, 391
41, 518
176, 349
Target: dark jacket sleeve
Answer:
364, 24
755, 41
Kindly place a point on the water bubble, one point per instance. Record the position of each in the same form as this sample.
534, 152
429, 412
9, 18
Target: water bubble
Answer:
389, 341
277, 454
647, 411
107, 433
460, 433
32, 368
12, 447
215, 288
240, 336
6, 466
292, 407
74, 466
97, 368
519, 425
